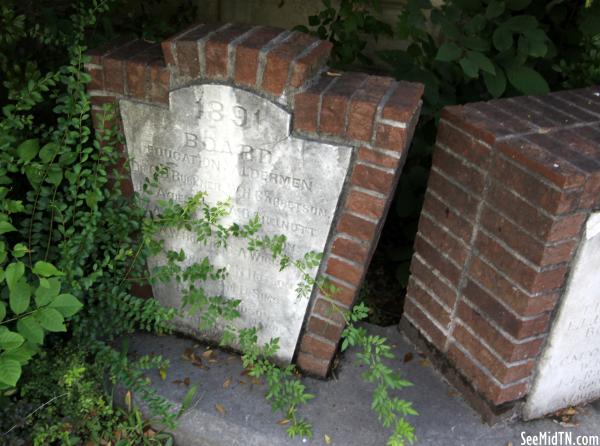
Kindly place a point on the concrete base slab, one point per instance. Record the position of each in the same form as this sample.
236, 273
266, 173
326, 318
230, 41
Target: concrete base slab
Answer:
340, 409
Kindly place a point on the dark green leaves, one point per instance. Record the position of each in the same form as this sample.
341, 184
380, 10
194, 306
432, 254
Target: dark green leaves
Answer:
495, 83
527, 80
9, 340
495, 9
51, 319
502, 38
20, 296
448, 52
67, 304
28, 150
46, 269
10, 371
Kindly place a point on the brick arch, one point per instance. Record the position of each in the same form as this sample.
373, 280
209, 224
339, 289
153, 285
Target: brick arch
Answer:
373, 115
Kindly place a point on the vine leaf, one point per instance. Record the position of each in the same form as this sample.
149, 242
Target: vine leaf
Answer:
10, 371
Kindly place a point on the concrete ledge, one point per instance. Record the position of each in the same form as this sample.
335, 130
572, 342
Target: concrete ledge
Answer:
340, 409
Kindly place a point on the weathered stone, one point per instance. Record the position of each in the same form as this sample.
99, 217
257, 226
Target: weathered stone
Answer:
569, 370
235, 145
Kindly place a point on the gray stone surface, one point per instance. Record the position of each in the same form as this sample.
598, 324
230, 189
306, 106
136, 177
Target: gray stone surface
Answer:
341, 408
569, 370
235, 145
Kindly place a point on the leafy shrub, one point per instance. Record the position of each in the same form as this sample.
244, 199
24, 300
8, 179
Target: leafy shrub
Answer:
463, 51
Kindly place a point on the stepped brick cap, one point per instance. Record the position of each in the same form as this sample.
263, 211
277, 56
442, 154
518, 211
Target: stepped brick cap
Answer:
375, 116
512, 184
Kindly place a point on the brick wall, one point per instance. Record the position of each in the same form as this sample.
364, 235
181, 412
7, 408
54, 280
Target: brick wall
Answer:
374, 115
513, 182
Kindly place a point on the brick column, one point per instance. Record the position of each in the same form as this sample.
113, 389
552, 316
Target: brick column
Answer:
374, 115
512, 183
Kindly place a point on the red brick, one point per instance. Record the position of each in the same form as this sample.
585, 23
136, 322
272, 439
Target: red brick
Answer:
402, 103
114, 73
96, 54
160, 78
425, 326
167, 46
187, 50
539, 160
508, 349
97, 75
247, 54
344, 271
443, 240
522, 273
470, 121
373, 179
461, 172
335, 104
357, 227
541, 254
434, 310
138, 71
278, 62
363, 107
391, 137
548, 197
143, 291
502, 371
306, 106
521, 302
515, 326
216, 49
350, 250
532, 219
378, 158
441, 289
591, 194
344, 295
448, 216
312, 365
431, 255
457, 199
481, 382
321, 327
308, 65
364, 204
329, 310
463, 144
319, 348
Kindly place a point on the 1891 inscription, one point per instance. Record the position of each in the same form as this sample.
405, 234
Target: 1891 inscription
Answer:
236, 145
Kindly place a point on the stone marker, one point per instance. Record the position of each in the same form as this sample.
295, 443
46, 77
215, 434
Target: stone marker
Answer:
569, 369
250, 114
508, 235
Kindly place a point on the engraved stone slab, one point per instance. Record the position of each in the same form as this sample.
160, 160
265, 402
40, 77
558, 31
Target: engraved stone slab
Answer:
569, 371
236, 145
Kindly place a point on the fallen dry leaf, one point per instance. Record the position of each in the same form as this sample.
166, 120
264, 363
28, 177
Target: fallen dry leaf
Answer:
208, 354
177, 381
283, 422
149, 433
408, 357
220, 409
327, 439
424, 362
227, 383
186, 380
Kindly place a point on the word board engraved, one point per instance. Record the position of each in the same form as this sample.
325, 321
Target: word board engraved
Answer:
569, 371
236, 145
